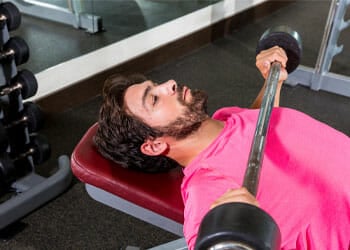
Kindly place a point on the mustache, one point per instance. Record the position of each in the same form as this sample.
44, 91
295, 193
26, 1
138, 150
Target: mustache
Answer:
180, 89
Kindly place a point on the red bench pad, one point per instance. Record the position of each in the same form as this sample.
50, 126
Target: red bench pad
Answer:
158, 192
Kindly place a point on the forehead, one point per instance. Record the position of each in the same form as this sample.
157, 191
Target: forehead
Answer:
134, 94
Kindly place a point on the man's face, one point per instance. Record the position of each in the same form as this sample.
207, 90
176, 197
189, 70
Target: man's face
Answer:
172, 109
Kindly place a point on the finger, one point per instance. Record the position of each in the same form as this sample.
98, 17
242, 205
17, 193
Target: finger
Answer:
283, 74
265, 62
266, 57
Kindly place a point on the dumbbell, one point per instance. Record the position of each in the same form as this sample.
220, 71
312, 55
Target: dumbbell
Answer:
241, 226
32, 117
24, 81
7, 170
39, 149
12, 167
3, 138
15, 48
10, 16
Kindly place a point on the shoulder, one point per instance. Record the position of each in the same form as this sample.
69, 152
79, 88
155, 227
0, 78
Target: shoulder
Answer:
206, 180
199, 191
224, 113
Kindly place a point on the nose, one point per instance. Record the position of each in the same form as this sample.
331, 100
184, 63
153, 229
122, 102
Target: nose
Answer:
169, 87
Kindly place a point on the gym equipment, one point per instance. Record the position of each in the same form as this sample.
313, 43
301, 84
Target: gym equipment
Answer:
11, 52
33, 191
290, 41
22, 86
10, 16
3, 139
133, 192
39, 149
15, 48
179, 244
73, 15
319, 78
21, 149
10, 19
239, 225
12, 168
33, 118
25, 81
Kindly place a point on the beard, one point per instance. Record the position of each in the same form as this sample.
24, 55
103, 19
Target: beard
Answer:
193, 116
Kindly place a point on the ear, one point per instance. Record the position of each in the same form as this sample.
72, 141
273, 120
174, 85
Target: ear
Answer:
154, 147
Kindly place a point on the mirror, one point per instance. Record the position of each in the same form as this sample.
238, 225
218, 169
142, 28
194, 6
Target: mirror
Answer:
59, 30
65, 47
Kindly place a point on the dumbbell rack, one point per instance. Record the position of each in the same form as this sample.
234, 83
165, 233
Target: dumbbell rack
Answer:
319, 78
24, 189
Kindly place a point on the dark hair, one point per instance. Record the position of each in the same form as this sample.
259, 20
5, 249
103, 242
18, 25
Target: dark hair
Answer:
120, 134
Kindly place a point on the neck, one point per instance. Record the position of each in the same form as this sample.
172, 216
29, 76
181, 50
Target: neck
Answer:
185, 150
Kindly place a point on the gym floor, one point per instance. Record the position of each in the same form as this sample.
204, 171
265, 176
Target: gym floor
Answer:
226, 69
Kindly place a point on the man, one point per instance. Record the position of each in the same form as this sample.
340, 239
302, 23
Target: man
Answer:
304, 183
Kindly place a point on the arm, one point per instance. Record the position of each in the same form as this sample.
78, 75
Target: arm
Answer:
263, 63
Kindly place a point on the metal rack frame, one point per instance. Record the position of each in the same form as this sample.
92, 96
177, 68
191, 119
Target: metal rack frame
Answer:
319, 78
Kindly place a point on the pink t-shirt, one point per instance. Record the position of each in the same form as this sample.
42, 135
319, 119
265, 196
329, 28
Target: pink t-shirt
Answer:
304, 182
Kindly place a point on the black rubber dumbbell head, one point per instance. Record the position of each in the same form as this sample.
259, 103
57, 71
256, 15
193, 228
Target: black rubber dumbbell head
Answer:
29, 84
238, 226
20, 48
286, 38
12, 15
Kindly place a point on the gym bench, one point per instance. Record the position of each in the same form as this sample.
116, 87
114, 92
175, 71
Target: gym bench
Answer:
154, 198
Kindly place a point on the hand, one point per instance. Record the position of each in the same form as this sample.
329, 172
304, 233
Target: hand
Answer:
266, 57
236, 195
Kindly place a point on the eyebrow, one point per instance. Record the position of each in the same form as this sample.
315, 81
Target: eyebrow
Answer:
144, 96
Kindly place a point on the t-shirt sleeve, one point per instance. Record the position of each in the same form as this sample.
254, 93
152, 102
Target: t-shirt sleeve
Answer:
198, 198
224, 113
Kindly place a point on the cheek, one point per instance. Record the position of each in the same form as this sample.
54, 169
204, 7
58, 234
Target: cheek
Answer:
166, 114
160, 118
